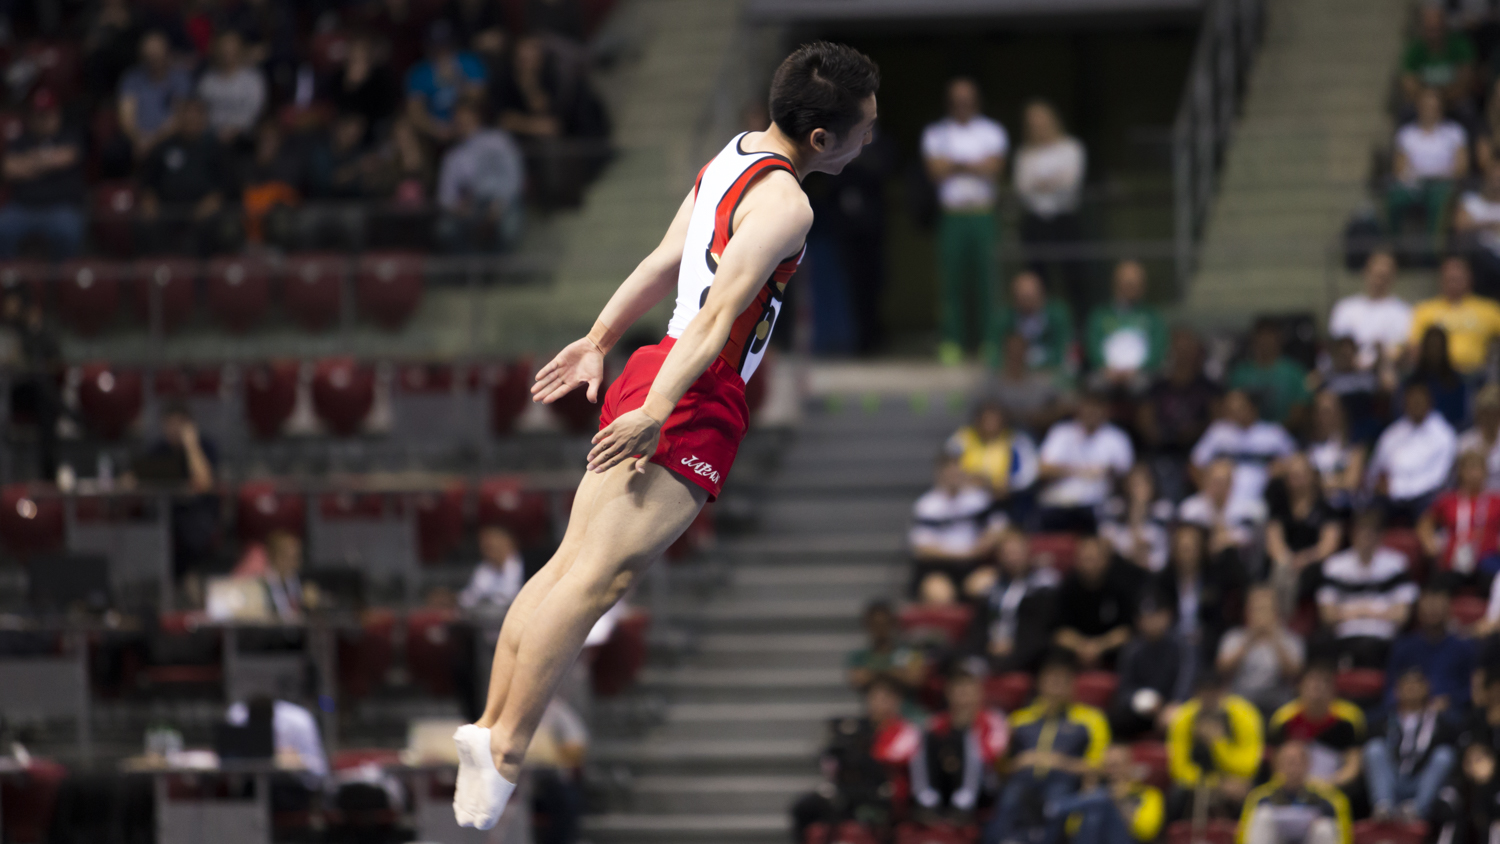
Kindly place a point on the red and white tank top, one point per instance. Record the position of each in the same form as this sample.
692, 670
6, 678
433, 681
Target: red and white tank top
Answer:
721, 184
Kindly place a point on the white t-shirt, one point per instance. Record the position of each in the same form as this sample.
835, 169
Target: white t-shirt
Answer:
1107, 451
491, 586
1061, 166
1241, 516
1486, 214
1252, 449
1373, 323
234, 100
1382, 585
1473, 440
292, 728
965, 143
1432, 154
951, 523
1415, 458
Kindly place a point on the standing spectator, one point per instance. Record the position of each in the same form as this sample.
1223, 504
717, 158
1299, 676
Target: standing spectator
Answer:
44, 172
1303, 530
1413, 457
1461, 531
1044, 322
1408, 757
1255, 446
993, 454
1176, 412
185, 461
1477, 224
1449, 392
1018, 607
884, 654
965, 153
1277, 383
1431, 155
1049, 175
1080, 460
1231, 522
498, 578
1121, 809
184, 184
554, 761
479, 186
1136, 522
1155, 671
1126, 340
1295, 807
1095, 606
1263, 659
1334, 729
1203, 590
150, 93
1031, 397
949, 523
1366, 596
1214, 741
363, 85
1438, 60
1338, 457
233, 89
1377, 319
1471, 322
1484, 437
1446, 660
436, 86
953, 769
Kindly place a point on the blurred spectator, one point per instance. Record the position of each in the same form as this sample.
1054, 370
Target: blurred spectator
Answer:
44, 174
475, 19
1126, 340
364, 85
1050, 167
1449, 392
1358, 390
1484, 437
1204, 591
529, 99
111, 38
184, 184
1054, 742
884, 654
1135, 522
233, 89
554, 762
1431, 154
1215, 741
268, 30
1438, 60
1176, 412
954, 768
39, 371
1472, 322
1044, 322
1303, 530
1377, 319
1477, 225
479, 187
1295, 807
1461, 530
558, 17
1262, 659
1445, 659
271, 189
289, 597
185, 461
1254, 445
1095, 606
402, 166
1121, 809
294, 733
340, 167
1410, 752
1155, 671
1231, 522
1018, 606
1003, 460
1413, 457
1277, 383
1338, 457
1469, 810
965, 154
1031, 397
950, 522
1332, 728
435, 86
1080, 460
1483, 724
1366, 596
498, 578
151, 92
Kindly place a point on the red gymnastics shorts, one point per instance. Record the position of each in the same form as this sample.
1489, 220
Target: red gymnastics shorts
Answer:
702, 435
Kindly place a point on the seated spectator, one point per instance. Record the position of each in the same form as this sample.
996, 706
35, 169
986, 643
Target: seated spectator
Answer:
529, 99
364, 85
1333, 729
1255, 447
954, 767
184, 460
500, 574
1176, 412
1377, 320
1336, 454
1410, 752
271, 189
949, 531
1095, 606
1032, 398
1439, 60
1303, 531
1295, 807
1045, 322
289, 596
1135, 522
1449, 391
1446, 660
1018, 606
1121, 809
1126, 340
44, 174
479, 187
884, 654
1484, 437
1413, 457
294, 734
1203, 589
151, 92
1472, 322
1366, 595
1155, 671
1359, 390
1080, 460
184, 184
1276, 384
1476, 222
1431, 156
233, 89
1482, 727
1470, 809
1054, 742
995, 455
436, 86
1461, 531
1049, 174
554, 761
1262, 659
341, 169
1215, 741
1231, 522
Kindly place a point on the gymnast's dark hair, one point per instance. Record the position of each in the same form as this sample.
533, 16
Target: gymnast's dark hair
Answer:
821, 86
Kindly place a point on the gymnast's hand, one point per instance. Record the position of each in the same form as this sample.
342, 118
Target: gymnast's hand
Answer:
580, 363
633, 435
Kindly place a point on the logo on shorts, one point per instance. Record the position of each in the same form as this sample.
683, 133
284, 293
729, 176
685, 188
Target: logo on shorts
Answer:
701, 468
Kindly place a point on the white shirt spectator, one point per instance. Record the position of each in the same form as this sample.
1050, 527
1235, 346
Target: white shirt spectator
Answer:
484, 168
1059, 166
1486, 215
1242, 517
559, 728
1381, 585
1114, 527
1100, 456
293, 728
953, 524
1415, 458
1375, 324
1473, 440
1253, 449
489, 585
1259, 671
234, 99
965, 143
1432, 154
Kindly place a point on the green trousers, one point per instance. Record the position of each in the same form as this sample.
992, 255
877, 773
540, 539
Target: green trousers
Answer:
1430, 195
966, 261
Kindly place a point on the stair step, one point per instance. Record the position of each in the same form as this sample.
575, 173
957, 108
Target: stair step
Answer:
685, 829
718, 794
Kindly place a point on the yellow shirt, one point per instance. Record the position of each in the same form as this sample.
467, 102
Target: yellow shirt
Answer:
1471, 324
989, 460
1237, 754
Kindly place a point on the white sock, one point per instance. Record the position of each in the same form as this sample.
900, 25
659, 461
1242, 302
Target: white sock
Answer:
480, 797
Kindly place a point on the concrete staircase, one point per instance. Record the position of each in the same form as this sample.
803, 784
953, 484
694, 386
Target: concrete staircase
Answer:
746, 706
1315, 108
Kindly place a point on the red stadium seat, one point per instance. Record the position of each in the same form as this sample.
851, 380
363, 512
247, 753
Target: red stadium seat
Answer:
577, 414
1215, 831
365, 656
621, 658
30, 800
1152, 755
1405, 540
30, 276
31, 519
425, 378
184, 382
440, 521
185, 623
262, 508
343, 392
1095, 688
848, 832
948, 623
114, 217
1390, 832
350, 505
510, 393
271, 395
431, 652
239, 291
527, 514
1055, 550
1468, 610
88, 294
110, 399
313, 289
174, 281
390, 287
936, 833
1009, 691
1360, 685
